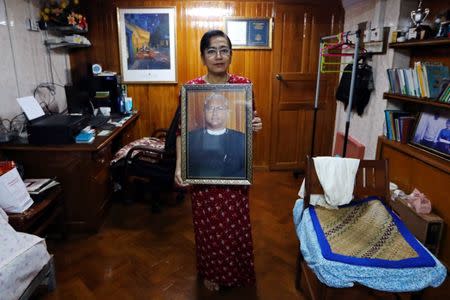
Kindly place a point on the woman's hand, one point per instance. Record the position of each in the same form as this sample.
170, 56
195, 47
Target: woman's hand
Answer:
178, 180
177, 177
256, 122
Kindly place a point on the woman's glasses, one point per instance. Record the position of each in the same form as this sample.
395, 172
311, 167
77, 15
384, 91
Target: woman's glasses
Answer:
211, 52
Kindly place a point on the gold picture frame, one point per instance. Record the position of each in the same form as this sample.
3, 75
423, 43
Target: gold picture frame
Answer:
216, 134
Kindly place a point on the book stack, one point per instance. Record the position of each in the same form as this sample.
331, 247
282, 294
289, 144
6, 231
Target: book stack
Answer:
38, 187
428, 80
399, 125
87, 135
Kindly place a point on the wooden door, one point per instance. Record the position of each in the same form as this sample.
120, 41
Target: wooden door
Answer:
298, 28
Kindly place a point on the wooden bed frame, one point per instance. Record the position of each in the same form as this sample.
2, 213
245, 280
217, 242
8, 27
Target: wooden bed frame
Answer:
372, 179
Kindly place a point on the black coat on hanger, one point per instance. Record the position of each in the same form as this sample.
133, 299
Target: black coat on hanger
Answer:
363, 87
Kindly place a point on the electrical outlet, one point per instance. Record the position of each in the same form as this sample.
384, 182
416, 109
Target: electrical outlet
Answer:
32, 24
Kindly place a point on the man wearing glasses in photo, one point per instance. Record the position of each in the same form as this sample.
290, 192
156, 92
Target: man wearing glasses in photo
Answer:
216, 151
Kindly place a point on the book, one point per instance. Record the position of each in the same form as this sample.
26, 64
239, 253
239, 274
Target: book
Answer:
406, 123
36, 186
85, 137
436, 74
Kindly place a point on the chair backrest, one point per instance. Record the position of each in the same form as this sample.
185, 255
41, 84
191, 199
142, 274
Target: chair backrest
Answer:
372, 179
354, 148
171, 136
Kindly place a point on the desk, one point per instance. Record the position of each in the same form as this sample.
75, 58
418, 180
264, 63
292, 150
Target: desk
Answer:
82, 169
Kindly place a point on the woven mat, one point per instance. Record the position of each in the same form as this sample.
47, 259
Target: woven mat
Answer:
366, 230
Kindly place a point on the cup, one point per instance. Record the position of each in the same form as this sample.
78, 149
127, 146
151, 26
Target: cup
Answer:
128, 104
106, 111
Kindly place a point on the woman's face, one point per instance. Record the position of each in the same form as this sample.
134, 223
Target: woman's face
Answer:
217, 57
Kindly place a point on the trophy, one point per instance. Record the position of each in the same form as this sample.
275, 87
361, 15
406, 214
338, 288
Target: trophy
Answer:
418, 16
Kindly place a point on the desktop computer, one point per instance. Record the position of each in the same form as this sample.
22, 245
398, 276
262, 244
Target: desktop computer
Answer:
106, 91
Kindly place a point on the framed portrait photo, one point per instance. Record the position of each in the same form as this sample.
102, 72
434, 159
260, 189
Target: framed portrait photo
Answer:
147, 44
249, 33
432, 132
216, 134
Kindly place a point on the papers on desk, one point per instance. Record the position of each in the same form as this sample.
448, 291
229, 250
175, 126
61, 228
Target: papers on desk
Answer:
31, 107
39, 185
120, 122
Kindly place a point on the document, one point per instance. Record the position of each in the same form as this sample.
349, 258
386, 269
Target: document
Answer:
31, 107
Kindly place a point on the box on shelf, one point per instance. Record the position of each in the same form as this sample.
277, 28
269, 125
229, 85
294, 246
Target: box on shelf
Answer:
427, 228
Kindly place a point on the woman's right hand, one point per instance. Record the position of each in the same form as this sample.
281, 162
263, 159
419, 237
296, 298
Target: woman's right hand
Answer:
177, 178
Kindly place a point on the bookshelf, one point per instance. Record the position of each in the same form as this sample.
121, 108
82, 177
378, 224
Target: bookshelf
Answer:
411, 167
421, 43
424, 101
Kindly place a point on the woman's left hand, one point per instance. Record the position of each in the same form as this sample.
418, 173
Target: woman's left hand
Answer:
256, 122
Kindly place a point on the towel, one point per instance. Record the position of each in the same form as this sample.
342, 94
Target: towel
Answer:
337, 177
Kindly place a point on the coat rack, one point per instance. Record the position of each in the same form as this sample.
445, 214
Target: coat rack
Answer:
324, 51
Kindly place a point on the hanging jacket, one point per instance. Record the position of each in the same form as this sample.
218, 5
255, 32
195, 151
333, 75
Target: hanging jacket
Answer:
363, 87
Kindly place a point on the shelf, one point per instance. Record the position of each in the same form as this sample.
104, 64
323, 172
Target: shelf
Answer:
422, 43
66, 29
66, 45
424, 101
418, 153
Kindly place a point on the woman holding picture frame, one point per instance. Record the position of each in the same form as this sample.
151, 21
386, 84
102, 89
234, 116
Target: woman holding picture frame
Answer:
221, 215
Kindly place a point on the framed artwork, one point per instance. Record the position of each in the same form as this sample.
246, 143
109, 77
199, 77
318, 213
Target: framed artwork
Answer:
147, 44
249, 33
216, 134
432, 132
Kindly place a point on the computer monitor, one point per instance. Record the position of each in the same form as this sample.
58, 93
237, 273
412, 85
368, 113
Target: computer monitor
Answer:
78, 101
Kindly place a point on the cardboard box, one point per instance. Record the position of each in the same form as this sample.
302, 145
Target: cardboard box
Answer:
427, 228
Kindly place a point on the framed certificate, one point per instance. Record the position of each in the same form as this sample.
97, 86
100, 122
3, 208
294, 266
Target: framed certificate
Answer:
249, 33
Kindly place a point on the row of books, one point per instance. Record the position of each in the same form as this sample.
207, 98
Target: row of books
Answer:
426, 79
399, 125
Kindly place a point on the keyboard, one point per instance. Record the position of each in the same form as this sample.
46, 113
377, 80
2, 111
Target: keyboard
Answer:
98, 121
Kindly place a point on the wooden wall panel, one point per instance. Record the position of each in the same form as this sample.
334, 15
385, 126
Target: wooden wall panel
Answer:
157, 102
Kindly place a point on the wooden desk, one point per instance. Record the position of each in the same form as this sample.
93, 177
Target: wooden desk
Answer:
82, 169
41, 214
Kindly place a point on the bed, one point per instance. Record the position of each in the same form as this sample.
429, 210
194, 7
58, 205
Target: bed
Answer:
328, 261
24, 262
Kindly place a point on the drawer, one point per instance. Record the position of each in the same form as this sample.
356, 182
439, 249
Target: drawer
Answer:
102, 157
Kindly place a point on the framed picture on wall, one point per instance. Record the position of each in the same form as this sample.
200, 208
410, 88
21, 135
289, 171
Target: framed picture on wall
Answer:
147, 44
216, 134
432, 132
249, 33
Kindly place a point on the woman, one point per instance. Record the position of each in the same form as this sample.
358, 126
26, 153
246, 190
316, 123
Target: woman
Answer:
221, 214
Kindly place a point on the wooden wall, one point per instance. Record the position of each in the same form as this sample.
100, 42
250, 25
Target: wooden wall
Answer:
157, 102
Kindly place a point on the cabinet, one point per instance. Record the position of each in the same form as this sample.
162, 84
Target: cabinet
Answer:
412, 167
63, 36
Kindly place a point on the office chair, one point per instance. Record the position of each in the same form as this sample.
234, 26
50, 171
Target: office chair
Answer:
153, 163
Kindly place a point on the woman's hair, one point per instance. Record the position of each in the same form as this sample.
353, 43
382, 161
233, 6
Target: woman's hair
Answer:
204, 42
